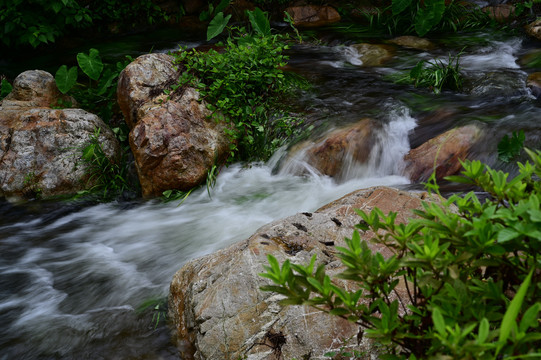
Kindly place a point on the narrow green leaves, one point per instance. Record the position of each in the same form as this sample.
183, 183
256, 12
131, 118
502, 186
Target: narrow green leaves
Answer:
510, 317
65, 79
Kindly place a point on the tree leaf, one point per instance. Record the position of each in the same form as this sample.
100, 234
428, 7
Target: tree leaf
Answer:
90, 64
65, 79
400, 5
5, 88
217, 25
439, 322
260, 22
429, 16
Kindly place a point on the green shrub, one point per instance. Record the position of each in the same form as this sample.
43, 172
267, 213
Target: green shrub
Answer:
106, 176
35, 22
244, 84
422, 17
510, 147
437, 75
471, 270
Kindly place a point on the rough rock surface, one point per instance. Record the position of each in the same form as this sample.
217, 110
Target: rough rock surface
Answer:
365, 54
413, 42
332, 155
443, 153
218, 311
173, 140
501, 12
313, 15
40, 147
534, 29
534, 83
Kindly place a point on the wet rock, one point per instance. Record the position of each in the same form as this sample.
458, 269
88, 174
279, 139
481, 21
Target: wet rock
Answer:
498, 84
413, 42
534, 29
173, 139
313, 15
332, 155
501, 13
370, 54
442, 153
40, 147
219, 312
534, 83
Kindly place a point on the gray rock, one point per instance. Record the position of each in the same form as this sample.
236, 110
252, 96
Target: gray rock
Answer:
40, 147
219, 312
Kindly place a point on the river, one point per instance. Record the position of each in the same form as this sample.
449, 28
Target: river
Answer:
73, 275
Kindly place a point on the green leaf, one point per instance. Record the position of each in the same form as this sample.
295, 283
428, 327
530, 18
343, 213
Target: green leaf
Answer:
439, 322
217, 25
507, 234
5, 88
91, 64
510, 147
483, 331
511, 314
400, 5
65, 79
429, 16
260, 22
530, 317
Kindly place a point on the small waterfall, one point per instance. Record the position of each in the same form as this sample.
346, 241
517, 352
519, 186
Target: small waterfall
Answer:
385, 146
390, 146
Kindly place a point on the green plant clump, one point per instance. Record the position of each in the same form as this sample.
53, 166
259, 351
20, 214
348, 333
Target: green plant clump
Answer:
470, 269
35, 22
422, 17
106, 177
437, 75
244, 84
510, 147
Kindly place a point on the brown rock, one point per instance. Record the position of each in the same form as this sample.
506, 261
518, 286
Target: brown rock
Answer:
442, 153
534, 83
173, 139
413, 42
40, 147
332, 155
313, 15
501, 13
219, 312
534, 29
142, 80
371, 54
175, 144
35, 88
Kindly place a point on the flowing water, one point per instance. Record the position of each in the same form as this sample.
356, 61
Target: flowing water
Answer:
72, 276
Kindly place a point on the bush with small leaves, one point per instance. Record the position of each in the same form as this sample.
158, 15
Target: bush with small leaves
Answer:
471, 271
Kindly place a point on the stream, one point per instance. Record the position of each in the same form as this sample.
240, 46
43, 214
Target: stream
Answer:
74, 276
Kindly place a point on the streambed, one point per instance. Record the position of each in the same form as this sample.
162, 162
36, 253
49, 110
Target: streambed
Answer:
73, 275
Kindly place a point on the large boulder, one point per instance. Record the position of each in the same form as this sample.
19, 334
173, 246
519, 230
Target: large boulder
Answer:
336, 152
174, 140
40, 147
443, 153
219, 312
313, 15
